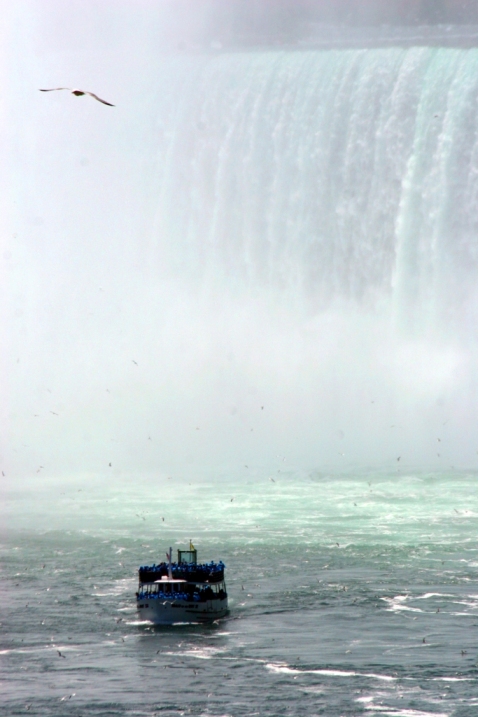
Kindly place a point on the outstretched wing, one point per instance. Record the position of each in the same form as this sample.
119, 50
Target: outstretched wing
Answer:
99, 99
79, 93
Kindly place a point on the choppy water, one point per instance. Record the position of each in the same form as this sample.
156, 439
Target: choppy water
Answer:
349, 595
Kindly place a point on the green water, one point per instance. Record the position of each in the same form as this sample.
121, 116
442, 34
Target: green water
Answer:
349, 594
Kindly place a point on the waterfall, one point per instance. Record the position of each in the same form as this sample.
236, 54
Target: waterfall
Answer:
253, 253
326, 175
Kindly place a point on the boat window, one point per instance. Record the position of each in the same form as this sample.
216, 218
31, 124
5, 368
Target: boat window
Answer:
188, 557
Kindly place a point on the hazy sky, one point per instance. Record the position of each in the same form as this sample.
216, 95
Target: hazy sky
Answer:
76, 225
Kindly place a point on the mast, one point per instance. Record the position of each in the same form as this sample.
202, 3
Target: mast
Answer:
170, 570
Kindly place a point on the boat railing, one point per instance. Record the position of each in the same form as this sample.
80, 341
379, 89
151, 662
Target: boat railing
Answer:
202, 595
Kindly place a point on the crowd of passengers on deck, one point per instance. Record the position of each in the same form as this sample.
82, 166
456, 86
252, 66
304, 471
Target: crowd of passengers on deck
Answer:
205, 570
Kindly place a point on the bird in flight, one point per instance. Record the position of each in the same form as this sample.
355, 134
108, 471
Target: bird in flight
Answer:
79, 93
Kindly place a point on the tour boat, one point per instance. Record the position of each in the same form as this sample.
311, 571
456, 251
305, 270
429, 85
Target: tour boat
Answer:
182, 592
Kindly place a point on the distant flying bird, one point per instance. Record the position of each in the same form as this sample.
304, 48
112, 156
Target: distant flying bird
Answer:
79, 93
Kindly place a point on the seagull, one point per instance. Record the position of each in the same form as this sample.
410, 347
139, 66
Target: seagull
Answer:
79, 93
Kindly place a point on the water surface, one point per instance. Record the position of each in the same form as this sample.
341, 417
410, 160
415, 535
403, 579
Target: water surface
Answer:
349, 594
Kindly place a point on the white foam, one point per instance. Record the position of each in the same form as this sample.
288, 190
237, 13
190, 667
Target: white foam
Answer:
453, 679
274, 667
203, 653
397, 604
391, 712
460, 614
429, 595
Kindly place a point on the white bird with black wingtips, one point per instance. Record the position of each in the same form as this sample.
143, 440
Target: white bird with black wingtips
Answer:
79, 93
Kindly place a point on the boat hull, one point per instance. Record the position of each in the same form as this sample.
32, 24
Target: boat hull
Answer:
165, 612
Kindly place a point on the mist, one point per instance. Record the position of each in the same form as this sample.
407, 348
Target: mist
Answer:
257, 257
